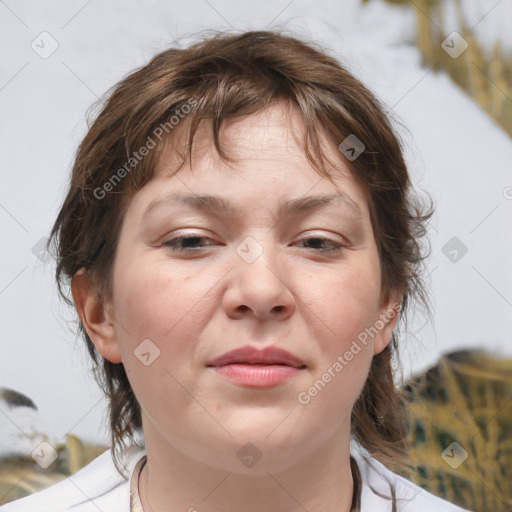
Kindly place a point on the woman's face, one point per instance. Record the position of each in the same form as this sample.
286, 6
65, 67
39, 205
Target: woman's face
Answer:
306, 281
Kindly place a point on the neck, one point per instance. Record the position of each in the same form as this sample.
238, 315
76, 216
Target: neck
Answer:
322, 481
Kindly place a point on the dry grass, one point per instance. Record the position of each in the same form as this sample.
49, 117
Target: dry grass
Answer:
21, 476
485, 77
465, 399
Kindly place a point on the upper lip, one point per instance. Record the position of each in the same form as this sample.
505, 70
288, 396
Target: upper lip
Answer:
252, 355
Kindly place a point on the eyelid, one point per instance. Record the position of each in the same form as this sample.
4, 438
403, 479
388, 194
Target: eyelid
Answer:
172, 243
314, 233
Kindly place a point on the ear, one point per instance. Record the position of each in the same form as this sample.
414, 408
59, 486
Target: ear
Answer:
387, 320
95, 317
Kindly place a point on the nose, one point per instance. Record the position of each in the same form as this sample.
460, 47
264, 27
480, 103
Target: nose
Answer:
260, 288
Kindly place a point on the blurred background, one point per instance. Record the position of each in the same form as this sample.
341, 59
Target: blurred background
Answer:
444, 71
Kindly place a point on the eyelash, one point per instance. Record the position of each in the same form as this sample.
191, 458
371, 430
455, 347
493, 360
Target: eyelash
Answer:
173, 243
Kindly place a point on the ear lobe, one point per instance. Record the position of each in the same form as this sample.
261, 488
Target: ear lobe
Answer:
96, 319
388, 318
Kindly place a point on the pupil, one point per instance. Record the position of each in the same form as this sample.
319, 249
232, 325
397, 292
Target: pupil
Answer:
191, 240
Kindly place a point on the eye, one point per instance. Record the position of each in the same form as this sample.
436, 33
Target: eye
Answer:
192, 243
320, 240
185, 243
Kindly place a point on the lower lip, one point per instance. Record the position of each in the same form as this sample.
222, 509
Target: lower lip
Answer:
257, 375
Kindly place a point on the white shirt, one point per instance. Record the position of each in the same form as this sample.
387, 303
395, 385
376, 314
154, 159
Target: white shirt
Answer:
99, 487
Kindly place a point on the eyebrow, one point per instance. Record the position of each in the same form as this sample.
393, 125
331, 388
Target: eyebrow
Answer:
222, 205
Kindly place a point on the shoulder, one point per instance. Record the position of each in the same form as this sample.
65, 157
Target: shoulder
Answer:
97, 486
378, 481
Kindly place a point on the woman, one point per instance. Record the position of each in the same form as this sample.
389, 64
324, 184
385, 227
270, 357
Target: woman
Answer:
241, 240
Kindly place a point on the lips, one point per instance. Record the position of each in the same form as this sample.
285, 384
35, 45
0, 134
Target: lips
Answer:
249, 367
250, 355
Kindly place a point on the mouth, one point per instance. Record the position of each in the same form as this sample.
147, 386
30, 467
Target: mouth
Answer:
251, 367
249, 355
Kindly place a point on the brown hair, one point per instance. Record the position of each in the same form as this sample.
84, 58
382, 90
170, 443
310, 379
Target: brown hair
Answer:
219, 76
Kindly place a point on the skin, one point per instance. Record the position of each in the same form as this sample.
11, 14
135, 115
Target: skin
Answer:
197, 304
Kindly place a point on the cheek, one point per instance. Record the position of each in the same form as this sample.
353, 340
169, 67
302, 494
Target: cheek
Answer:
345, 354
345, 304
161, 311
154, 312
154, 300
344, 310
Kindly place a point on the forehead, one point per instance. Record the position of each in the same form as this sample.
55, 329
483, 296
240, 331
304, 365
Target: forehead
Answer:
278, 128
268, 151
277, 133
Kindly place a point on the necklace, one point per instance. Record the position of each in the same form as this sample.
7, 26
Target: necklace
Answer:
136, 505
